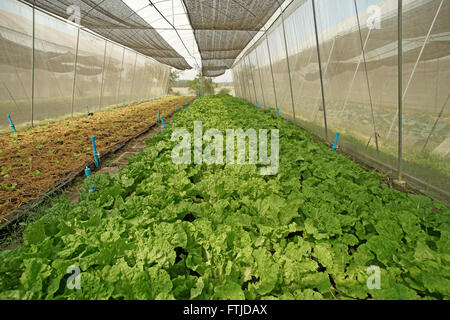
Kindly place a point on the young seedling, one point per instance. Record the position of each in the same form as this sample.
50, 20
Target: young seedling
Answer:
9, 188
36, 173
15, 140
5, 171
28, 163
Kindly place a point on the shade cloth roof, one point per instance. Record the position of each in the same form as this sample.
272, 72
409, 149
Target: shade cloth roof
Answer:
114, 20
223, 28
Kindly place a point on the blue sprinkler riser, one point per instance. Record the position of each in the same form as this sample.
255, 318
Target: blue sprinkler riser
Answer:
162, 121
278, 112
88, 172
11, 124
336, 140
176, 107
87, 109
97, 162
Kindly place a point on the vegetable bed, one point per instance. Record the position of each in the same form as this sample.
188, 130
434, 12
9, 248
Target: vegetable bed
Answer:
34, 160
157, 230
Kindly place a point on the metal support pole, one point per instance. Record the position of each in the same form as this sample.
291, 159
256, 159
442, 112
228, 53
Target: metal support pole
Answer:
75, 70
271, 72
241, 81
288, 66
173, 14
245, 79
33, 65
260, 78
237, 85
134, 75
320, 71
103, 76
239, 93
400, 88
242, 78
417, 61
163, 83
253, 78
201, 84
120, 77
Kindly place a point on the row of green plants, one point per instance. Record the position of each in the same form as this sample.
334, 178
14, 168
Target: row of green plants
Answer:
157, 230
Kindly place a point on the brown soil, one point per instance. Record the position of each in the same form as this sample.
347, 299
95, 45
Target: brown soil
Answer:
34, 160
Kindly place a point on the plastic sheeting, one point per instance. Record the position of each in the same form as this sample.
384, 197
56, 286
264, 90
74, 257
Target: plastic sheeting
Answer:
99, 74
224, 28
359, 59
114, 20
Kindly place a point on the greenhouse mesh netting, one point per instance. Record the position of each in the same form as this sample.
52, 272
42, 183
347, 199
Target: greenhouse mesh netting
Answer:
353, 88
223, 29
66, 68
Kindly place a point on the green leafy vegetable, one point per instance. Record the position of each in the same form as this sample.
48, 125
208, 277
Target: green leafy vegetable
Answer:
157, 230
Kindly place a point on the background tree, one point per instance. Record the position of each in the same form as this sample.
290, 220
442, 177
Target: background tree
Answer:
224, 91
173, 78
202, 85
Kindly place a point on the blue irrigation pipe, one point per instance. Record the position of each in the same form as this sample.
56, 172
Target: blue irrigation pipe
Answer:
162, 121
278, 112
88, 172
87, 109
176, 107
97, 162
11, 124
336, 140
181, 108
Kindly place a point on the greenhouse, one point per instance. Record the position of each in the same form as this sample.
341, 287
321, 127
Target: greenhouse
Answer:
224, 150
